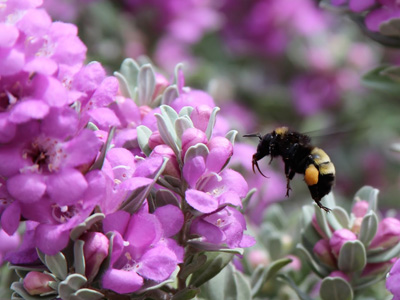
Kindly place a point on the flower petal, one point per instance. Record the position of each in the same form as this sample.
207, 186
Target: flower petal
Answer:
158, 263
27, 188
10, 218
171, 219
66, 187
201, 201
121, 281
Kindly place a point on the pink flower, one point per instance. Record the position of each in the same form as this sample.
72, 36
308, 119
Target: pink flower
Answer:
340, 237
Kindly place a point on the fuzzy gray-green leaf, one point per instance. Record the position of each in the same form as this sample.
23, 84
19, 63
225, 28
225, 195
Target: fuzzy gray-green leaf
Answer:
79, 257
352, 256
385, 255
181, 124
335, 288
143, 136
169, 95
231, 136
322, 221
196, 150
264, 273
85, 225
86, 294
228, 284
318, 269
369, 227
285, 278
216, 261
146, 84
211, 122
369, 194
57, 264
341, 216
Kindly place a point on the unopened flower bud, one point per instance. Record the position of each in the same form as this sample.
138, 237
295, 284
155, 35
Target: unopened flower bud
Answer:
161, 84
144, 110
95, 251
340, 274
155, 140
221, 150
172, 167
36, 283
322, 250
339, 237
191, 137
388, 234
258, 257
200, 116
360, 208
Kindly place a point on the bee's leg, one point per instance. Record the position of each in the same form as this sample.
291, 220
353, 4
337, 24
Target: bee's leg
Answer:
321, 206
289, 176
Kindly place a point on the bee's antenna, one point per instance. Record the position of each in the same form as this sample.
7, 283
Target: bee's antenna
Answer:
254, 135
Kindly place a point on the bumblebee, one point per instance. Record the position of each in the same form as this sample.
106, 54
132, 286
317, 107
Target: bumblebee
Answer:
299, 156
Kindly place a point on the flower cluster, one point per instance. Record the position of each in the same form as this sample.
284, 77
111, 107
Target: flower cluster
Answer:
357, 248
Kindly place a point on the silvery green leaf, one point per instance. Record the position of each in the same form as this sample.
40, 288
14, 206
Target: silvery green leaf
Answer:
365, 281
285, 278
384, 255
329, 200
231, 136
146, 84
196, 150
27, 268
211, 122
86, 225
70, 285
215, 263
264, 273
186, 111
352, 257
369, 227
246, 200
341, 216
18, 287
79, 257
228, 284
177, 73
214, 247
192, 265
309, 236
41, 256
143, 136
167, 131
75, 281
92, 126
98, 164
164, 197
322, 221
186, 294
181, 124
369, 194
86, 294
318, 269
150, 285
308, 212
169, 95
276, 216
123, 85
335, 288
127, 77
57, 264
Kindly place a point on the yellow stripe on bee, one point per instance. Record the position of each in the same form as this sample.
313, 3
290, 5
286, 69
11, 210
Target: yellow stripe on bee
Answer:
311, 175
319, 156
281, 130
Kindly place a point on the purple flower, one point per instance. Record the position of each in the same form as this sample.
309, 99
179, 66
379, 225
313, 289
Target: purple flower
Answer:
392, 281
8, 243
322, 250
142, 249
224, 227
339, 237
388, 234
